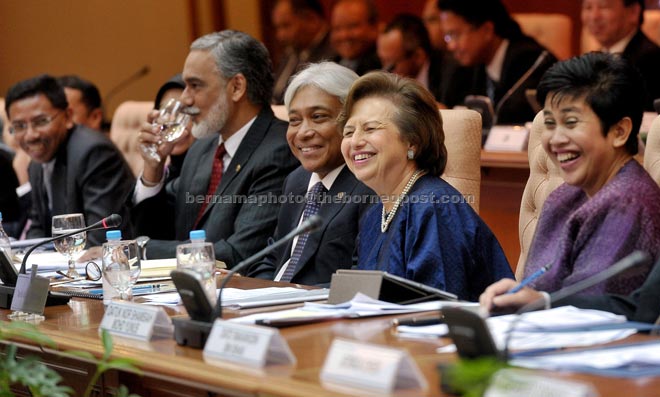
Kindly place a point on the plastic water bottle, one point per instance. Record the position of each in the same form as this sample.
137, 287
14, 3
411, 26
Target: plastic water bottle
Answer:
114, 239
5, 244
199, 256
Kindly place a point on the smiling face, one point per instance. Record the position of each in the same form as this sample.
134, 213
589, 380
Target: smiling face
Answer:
351, 33
41, 143
609, 20
574, 140
312, 134
373, 147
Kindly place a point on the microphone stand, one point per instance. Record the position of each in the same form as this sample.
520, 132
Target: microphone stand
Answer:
194, 333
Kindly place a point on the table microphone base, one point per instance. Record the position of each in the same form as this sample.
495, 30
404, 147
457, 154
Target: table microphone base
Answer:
191, 333
7, 294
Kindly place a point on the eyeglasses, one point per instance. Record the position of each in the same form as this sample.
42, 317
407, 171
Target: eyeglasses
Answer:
452, 36
92, 273
38, 123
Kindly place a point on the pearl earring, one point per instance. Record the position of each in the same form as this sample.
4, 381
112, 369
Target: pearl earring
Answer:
411, 154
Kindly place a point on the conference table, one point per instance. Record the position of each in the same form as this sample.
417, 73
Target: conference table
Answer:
173, 370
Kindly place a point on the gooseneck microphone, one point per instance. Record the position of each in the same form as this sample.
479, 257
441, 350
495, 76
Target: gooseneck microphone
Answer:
194, 333
137, 75
637, 258
312, 223
537, 63
111, 221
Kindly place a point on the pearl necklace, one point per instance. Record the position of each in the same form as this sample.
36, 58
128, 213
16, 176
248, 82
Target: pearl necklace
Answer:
386, 218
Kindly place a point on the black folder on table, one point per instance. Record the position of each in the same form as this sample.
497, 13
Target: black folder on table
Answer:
381, 285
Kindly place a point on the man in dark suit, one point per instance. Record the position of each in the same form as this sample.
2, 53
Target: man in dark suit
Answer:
73, 169
353, 33
301, 29
314, 99
481, 33
84, 100
233, 173
616, 25
404, 48
642, 305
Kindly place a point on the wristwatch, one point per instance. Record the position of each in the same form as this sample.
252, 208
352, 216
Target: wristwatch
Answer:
142, 245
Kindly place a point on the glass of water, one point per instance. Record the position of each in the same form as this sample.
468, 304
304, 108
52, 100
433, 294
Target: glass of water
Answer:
121, 266
73, 245
171, 123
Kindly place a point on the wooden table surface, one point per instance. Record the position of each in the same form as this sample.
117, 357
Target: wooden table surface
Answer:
75, 327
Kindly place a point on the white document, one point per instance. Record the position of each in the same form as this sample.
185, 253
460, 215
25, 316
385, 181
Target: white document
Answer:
258, 297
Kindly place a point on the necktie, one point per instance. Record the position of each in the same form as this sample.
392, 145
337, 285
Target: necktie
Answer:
311, 208
216, 176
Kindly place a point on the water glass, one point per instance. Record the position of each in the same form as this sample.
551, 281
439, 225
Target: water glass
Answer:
171, 123
70, 246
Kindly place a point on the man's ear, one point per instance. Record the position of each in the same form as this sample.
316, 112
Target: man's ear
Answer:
621, 132
96, 118
237, 87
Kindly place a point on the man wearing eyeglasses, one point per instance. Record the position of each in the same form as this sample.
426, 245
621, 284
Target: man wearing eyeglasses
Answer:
73, 169
482, 34
404, 48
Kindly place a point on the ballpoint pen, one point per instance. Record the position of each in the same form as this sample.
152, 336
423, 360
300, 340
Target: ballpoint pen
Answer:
530, 278
417, 322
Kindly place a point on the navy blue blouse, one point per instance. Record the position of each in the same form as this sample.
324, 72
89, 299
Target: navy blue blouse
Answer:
436, 239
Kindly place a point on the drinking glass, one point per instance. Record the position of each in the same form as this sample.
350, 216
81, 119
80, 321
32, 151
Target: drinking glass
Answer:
199, 258
171, 123
69, 246
121, 266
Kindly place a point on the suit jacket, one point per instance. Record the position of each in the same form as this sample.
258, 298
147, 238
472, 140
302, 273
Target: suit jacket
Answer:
366, 63
322, 51
243, 212
645, 55
329, 248
642, 305
90, 176
520, 55
449, 82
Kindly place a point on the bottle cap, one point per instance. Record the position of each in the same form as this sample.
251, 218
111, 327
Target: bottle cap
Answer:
113, 235
198, 235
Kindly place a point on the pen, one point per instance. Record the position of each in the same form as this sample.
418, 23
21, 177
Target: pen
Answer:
529, 279
153, 287
416, 322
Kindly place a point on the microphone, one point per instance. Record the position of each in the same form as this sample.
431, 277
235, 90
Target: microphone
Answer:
30, 292
537, 63
143, 71
194, 333
108, 222
637, 258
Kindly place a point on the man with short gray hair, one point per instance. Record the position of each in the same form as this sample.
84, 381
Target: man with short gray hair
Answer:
234, 171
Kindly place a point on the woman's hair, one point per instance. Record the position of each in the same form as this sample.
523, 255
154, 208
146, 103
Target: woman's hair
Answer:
329, 77
611, 86
416, 115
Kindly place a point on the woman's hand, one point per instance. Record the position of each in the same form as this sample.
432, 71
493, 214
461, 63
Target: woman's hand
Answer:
497, 299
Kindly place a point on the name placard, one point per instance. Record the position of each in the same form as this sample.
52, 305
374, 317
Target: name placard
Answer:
132, 320
507, 138
251, 345
376, 368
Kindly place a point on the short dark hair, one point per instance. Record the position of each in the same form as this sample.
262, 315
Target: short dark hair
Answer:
372, 10
300, 6
412, 30
642, 7
610, 85
416, 116
175, 82
237, 52
90, 93
42, 84
478, 12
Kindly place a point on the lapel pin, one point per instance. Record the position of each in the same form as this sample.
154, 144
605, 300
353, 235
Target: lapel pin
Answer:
238, 167
340, 195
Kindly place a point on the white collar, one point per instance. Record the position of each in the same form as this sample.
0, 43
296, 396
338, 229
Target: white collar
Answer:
423, 75
620, 46
494, 68
327, 181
